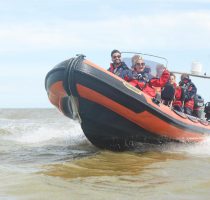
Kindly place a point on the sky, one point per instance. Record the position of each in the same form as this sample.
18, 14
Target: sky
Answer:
36, 35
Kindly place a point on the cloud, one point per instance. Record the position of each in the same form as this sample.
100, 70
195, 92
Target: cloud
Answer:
180, 30
31, 47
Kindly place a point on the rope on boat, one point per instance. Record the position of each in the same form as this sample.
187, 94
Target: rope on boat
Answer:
69, 84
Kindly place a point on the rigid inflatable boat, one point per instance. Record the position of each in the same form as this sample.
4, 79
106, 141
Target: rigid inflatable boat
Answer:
113, 114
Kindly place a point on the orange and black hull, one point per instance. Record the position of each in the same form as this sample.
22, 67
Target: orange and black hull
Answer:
114, 114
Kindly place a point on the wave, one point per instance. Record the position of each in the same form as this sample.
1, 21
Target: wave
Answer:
49, 127
30, 132
201, 149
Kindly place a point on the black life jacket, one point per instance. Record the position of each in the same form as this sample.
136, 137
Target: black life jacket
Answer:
188, 89
168, 92
116, 70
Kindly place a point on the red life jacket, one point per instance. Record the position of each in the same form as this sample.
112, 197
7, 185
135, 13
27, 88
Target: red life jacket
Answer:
111, 68
191, 91
148, 87
190, 104
178, 96
179, 102
144, 87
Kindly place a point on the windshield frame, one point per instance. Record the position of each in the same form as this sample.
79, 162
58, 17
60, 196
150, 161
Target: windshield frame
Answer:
155, 65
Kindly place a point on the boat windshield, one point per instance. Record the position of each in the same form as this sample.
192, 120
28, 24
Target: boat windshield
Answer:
155, 64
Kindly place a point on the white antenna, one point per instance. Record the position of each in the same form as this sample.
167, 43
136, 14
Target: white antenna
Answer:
196, 68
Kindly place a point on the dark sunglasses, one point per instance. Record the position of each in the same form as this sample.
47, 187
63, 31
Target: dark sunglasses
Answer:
119, 56
140, 64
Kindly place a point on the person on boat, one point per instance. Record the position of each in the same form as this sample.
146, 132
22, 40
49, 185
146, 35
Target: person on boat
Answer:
169, 91
159, 70
184, 96
172, 79
140, 70
118, 67
143, 80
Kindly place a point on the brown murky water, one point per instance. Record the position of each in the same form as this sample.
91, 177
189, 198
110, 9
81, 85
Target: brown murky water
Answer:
44, 155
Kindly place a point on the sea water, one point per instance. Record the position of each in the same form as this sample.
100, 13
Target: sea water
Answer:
44, 155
